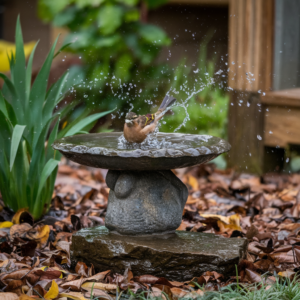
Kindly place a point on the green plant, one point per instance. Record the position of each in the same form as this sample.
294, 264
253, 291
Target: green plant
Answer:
28, 127
116, 46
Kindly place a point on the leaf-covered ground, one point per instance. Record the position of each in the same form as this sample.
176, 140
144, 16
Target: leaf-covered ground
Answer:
35, 256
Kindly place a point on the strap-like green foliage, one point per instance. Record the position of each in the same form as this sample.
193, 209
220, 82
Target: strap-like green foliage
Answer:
28, 164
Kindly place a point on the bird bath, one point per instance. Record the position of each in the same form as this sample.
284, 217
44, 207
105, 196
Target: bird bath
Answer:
145, 196
145, 206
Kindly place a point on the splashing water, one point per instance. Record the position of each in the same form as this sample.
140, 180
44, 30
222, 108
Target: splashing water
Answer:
151, 142
131, 92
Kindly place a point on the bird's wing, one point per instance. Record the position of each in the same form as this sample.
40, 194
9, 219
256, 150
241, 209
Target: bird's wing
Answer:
146, 119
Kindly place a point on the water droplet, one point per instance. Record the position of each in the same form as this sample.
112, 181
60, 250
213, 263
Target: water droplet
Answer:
259, 137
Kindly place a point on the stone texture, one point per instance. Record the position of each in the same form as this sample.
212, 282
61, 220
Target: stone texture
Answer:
178, 256
144, 202
173, 150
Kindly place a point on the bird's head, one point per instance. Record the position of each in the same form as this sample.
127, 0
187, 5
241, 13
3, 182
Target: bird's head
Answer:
131, 118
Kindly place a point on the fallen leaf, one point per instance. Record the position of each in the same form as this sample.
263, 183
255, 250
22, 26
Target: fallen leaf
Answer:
53, 291
178, 293
81, 269
40, 234
100, 294
100, 286
74, 285
9, 296
19, 230
22, 216
6, 224
253, 276
73, 296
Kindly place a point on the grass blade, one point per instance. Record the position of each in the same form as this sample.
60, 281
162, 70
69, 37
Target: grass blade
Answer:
86, 121
15, 141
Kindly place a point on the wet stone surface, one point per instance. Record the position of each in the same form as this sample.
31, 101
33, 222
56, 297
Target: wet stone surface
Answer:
178, 256
144, 202
170, 151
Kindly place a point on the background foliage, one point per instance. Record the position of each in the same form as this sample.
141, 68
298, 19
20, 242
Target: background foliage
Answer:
119, 52
28, 164
114, 44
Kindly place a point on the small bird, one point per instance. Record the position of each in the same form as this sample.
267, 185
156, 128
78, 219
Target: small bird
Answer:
136, 128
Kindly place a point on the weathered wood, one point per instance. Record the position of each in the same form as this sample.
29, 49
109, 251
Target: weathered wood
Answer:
251, 44
251, 25
282, 125
288, 98
245, 120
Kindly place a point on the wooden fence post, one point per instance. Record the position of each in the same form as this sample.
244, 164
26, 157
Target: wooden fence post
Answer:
251, 30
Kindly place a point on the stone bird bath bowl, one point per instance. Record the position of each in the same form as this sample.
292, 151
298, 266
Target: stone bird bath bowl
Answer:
145, 206
145, 196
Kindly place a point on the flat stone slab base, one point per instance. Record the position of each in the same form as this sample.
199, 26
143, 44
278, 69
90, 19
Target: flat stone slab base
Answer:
177, 256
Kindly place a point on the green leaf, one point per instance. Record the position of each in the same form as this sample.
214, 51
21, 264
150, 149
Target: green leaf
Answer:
84, 3
15, 141
49, 8
108, 41
122, 67
38, 92
128, 2
65, 17
11, 114
5, 135
132, 16
53, 96
61, 49
80, 125
10, 94
155, 3
153, 34
47, 170
28, 77
2, 105
51, 139
109, 18
20, 66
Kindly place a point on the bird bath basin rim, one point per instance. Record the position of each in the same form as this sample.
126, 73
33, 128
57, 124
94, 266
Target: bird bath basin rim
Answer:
100, 150
91, 144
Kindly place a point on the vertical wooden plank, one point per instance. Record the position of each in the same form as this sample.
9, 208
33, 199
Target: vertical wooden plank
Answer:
246, 123
249, 39
232, 51
254, 54
266, 63
257, 46
240, 40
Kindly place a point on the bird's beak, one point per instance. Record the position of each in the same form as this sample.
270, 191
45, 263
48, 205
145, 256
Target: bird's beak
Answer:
128, 121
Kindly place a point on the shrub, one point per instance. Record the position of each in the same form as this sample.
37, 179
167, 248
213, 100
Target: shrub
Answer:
28, 127
114, 44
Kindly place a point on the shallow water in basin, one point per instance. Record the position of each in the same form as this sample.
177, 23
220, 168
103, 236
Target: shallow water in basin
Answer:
158, 145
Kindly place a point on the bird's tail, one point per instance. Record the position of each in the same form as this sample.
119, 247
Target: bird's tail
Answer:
168, 101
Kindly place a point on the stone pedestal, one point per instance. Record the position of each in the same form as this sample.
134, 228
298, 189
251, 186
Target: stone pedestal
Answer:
178, 256
144, 202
